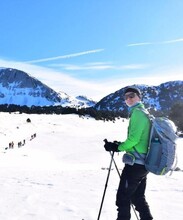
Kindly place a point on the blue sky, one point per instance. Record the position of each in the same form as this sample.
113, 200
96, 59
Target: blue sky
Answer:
93, 47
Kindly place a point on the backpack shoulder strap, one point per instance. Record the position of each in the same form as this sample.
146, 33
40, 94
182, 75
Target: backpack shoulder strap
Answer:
151, 117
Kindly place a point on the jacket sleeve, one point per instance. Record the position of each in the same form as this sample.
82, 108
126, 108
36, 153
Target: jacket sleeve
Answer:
136, 127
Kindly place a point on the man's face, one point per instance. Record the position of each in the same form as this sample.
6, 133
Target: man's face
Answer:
131, 98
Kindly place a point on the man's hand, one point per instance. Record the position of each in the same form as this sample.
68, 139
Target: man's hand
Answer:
111, 146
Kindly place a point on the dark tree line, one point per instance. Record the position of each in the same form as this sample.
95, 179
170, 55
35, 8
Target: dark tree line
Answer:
175, 114
92, 112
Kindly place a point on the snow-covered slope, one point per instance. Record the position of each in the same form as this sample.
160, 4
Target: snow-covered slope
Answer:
76, 102
19, 88
61, 173
159, 98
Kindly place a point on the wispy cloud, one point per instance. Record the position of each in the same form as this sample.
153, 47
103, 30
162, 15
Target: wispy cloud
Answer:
97, 88
155, 43
132, 67
139, 44
65, 56
100, 66
86, 66
59, 81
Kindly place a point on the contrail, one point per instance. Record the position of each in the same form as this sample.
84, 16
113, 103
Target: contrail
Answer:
139, 44
173, 41
156, 43
66, 56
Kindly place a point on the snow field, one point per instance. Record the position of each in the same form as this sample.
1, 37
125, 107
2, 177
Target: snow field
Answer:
61, 174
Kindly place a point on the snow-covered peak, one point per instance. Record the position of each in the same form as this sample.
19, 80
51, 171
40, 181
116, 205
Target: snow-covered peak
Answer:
159, 98
86, 101
76, 102
20, 88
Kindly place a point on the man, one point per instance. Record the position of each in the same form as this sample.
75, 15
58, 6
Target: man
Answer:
133, 178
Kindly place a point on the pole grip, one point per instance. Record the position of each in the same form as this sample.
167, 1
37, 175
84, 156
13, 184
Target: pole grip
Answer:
105, 140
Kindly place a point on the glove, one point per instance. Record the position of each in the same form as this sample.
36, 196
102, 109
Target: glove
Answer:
111, 146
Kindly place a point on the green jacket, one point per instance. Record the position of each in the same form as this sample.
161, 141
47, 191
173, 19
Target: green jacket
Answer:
138, 131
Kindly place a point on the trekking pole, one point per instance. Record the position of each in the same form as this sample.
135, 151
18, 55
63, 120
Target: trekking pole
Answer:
112, 155
115, 165
120, 177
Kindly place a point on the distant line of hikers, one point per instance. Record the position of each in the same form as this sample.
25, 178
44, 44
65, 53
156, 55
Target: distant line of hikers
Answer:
20, 143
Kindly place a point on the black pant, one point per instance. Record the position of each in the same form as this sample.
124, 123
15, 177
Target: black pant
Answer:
132, 191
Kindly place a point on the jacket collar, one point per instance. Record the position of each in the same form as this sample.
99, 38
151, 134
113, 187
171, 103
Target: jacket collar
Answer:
136, 105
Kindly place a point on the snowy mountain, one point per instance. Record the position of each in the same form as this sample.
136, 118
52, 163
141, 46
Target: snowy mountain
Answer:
84, 101
159, 98
78, 101
18, 87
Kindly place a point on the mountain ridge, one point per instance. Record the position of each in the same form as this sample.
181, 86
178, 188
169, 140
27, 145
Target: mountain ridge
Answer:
20, 88
158, 98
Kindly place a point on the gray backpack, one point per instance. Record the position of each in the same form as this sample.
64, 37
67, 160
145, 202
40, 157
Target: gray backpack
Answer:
162, 145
